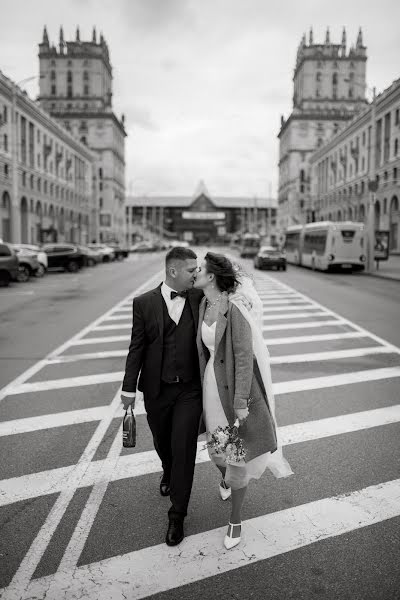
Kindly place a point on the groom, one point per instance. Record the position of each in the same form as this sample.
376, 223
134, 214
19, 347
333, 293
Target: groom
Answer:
163, 356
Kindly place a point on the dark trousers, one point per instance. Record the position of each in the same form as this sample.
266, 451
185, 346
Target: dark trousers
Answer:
174, 422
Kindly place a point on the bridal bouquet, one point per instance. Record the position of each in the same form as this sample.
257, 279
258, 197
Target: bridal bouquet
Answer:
225, 442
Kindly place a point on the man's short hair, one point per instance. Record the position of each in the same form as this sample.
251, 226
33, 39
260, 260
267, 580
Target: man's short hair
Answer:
179, 253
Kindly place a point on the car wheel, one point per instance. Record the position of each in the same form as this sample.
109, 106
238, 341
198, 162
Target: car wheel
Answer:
40, 271
72, 266
23, 273
91, 262
120, 257
284, 268
106, 259
4, 278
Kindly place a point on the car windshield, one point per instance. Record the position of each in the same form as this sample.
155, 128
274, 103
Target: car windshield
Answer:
269, 251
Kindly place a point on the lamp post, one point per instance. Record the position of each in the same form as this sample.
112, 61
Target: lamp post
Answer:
15, 205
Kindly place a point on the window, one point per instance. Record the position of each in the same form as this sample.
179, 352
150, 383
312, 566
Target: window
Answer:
53, 90
53, 75
24, 178
69, 76
101, 173
4, 250
318, 76
5, 142
31, 182
45, 187
39, 184
396, 116
69, 94
5, 115
6, 170
396, 146
86, 90
85, 76
395, 175
100, 203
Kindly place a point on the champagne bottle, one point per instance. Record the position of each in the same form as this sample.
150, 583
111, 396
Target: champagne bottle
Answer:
129, 429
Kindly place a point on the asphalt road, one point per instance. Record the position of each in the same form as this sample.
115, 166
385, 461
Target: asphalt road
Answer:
82, 517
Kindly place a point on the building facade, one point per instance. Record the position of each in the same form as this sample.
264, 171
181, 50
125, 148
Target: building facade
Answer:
200, 218
46, 175
328, 90
76, 89
366, 151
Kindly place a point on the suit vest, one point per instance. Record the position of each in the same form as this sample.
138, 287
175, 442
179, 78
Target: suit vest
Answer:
180, 357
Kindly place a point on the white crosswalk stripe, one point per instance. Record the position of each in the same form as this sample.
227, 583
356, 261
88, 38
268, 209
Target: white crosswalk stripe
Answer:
265, 536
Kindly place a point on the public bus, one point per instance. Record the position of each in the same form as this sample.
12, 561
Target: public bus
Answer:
292, 244
327, 245
249, 245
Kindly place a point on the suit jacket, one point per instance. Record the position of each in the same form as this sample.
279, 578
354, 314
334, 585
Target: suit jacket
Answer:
144, 360
238, 377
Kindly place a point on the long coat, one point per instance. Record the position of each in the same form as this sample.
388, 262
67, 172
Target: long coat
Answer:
238, 377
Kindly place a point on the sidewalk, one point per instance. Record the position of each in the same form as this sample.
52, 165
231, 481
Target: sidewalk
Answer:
388, 269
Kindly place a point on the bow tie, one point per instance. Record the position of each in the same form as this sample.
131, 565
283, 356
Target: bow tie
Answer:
180, 294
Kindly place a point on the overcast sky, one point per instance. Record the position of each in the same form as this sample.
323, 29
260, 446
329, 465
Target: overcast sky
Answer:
202, 82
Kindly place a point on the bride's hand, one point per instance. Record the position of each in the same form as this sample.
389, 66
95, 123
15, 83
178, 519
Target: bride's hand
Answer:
241, 414
243, 299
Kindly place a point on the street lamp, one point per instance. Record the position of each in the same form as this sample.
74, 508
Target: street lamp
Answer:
15, 209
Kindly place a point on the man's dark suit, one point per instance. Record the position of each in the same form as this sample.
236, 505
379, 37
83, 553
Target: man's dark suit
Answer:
173, 409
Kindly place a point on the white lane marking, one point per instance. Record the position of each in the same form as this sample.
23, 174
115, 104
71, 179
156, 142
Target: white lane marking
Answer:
28, 565
56, 384
102, 340
316, 383
116, 326
348, 322
142, 463
305, 325
279, 302
68, 358
146, 572
311, 306
329, 355
298, 315
118, 318
301, 339
21, 379
72, 417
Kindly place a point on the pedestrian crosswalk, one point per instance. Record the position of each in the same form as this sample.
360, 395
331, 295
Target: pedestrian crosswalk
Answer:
313, 350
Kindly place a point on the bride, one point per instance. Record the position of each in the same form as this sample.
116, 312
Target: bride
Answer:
236, 380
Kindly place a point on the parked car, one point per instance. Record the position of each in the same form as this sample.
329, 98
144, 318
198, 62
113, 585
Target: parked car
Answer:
41, 256
175, 243
107, 253
91, 257
8, 264
269, 257
120, 253
143, 247
28, 264
64, 256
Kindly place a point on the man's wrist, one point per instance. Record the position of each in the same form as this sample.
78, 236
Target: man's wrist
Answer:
128, 394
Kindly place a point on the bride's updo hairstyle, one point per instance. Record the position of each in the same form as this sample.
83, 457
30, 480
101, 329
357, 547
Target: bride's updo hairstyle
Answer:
224, 271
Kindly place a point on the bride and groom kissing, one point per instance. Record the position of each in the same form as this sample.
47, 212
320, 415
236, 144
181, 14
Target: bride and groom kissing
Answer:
198, 356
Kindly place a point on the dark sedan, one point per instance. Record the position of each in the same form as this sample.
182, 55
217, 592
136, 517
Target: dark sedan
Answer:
269, 257
64, 256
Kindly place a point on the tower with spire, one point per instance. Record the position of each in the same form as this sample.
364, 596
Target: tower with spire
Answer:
328, 89
76, 88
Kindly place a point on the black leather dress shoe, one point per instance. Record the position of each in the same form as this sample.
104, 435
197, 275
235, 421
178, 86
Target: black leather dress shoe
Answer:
164, 486
175, 532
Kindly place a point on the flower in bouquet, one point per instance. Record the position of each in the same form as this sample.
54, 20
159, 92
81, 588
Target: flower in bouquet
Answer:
225, 442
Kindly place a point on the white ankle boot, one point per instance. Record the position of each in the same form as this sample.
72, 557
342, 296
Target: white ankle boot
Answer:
229, 541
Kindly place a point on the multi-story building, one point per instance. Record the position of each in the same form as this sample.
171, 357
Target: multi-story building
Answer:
46, 175
366, 151
328, 90
76, 89
200, 218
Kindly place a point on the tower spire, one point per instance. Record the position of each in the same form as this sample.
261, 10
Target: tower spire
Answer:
78, 39
94, 35
359, 39
327, 36
45, 36
344, 41
311, 38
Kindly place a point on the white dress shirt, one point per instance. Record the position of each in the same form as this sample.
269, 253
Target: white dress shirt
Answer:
175, 309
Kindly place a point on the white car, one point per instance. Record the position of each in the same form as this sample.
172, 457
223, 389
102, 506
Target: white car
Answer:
40, 255
106, 252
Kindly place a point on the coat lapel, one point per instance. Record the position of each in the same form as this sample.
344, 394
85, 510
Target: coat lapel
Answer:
221, 320
157, 303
